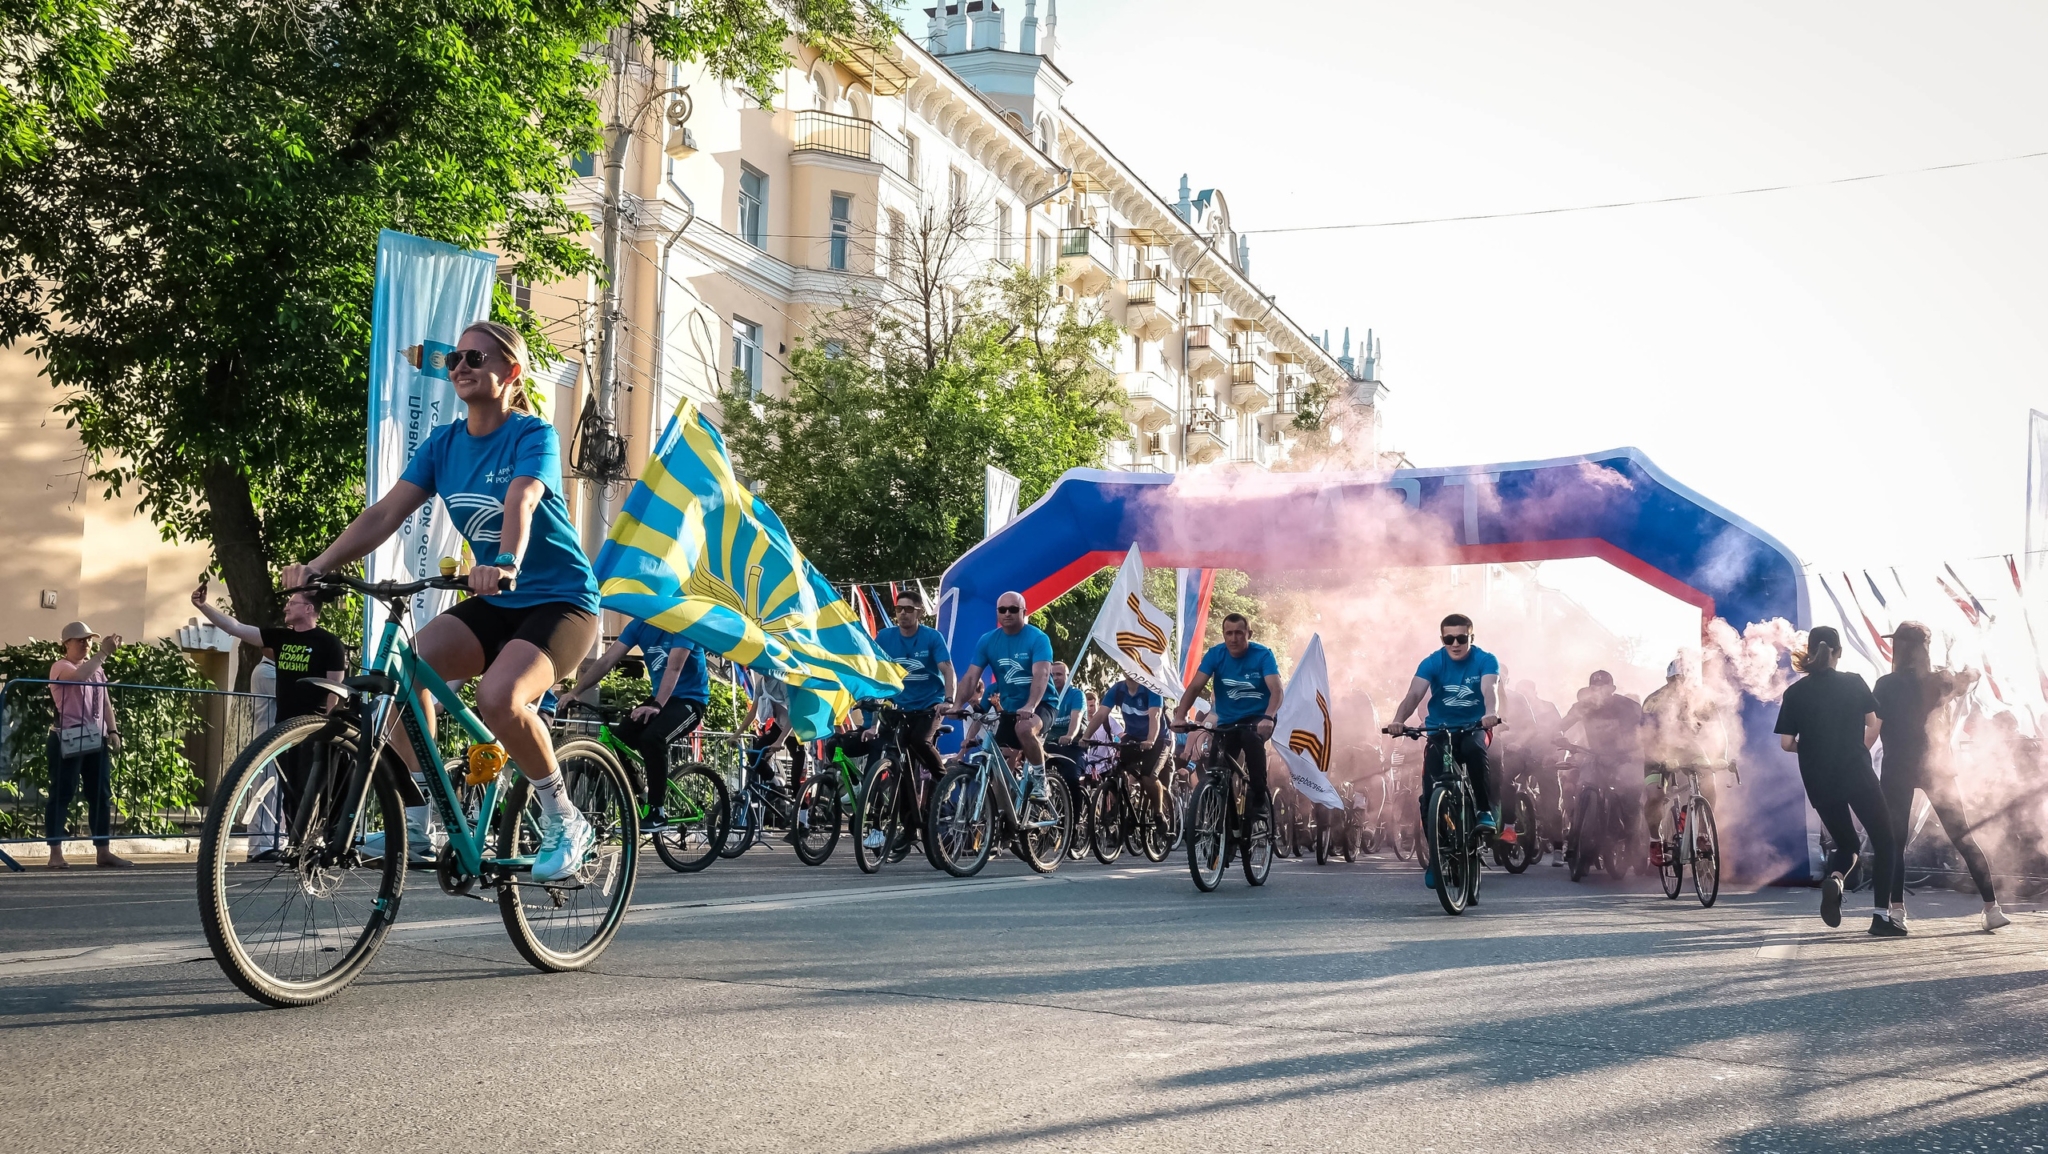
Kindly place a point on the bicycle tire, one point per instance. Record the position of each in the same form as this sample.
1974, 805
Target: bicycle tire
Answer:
1671, 854
1517, 856
1405, 840
960, 823
544, 934
745, 829
1706, 866
1208, 838
1105, 826
1082, 838
236, 899
1450, 863
1157, 832
1257, 854
1321, 836
1349, 839
700, 816
1280, 817
816, 820
1580, 854
1045, 825
877, 811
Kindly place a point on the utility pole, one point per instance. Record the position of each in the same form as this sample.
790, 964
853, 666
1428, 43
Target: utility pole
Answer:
601, 448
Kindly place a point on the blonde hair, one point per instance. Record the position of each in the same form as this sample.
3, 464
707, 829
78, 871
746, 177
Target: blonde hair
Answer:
514, 347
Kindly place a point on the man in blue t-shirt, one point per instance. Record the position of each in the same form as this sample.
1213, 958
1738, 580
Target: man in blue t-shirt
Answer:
1144, 742
1019, 654
682, 694
1248, 696
1064, 709
1463, 685
927, 678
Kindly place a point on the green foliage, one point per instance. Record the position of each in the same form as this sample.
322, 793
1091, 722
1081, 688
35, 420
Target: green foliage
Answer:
196, 267
151, 773
875, 461
54, 60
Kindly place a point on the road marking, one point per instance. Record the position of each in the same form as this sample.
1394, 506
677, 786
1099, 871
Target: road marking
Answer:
1779, 952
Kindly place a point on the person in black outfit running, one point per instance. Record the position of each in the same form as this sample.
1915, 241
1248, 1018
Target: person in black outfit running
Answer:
1906, 699
1829, 718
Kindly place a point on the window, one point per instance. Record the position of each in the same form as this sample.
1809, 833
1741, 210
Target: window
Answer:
753, 207
910, 161
584, 164
1003, 250
522, 291
895, 258
956, 185
746, 352
1044, 254
842, 228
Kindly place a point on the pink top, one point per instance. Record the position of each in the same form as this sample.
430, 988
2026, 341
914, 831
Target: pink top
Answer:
84, 705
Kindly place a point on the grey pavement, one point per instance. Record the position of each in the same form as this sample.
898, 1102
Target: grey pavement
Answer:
765, 1006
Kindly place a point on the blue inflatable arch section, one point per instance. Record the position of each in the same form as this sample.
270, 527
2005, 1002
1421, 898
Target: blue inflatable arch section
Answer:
1617, 505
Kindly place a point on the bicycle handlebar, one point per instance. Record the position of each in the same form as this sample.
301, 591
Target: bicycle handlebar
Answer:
1412, 732
389, 590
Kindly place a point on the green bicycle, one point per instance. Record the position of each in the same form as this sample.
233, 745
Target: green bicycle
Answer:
696, 805
295, 926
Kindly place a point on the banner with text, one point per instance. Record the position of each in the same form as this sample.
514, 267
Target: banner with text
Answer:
1135, 633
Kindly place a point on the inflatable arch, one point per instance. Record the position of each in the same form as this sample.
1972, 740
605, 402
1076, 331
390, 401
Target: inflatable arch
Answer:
1616, 505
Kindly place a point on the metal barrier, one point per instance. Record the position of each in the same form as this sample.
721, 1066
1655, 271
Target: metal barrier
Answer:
176, 743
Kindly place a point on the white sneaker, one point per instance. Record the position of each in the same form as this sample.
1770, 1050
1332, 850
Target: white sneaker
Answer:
421, 847
1899, 916
564, 842
1994, 918
874, 839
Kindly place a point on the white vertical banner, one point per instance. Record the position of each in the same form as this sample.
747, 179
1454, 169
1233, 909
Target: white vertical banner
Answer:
1135, 633
426, 294
1000, 506
2037, 497
1303, 733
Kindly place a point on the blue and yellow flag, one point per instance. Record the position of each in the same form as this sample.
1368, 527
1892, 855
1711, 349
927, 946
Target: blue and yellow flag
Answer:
693, 552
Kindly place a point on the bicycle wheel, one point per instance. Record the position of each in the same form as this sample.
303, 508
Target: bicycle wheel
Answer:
817, 818
565, 924
1208, 843
1671, 851
1157, 831
1584, 842
878, 815
1446, 849
1106, 825
1516, 856
1319, 833
700, 816
299, 929
1280, 828
1257, 853
960, 827
1406, 838
1347, 835
747, 813
1047, 825
1706, 857
1372, 809
1083, 836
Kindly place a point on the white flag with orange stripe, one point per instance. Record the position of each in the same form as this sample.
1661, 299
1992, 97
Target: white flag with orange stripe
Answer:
1304, 731
1135, 633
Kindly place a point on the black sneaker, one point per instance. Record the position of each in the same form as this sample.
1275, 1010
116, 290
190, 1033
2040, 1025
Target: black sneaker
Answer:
1883, 927
655, 819
1831, 900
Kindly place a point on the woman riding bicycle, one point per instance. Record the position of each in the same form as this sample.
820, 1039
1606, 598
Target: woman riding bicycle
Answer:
498, 473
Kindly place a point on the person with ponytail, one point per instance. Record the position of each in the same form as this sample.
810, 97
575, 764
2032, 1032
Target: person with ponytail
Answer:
1907, 699
1829, 718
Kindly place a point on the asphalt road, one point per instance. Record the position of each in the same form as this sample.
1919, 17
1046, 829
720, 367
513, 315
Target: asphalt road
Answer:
764, 1006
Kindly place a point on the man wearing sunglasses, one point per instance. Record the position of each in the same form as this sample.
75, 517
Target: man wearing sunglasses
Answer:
1020, 655
1463, 684
1248, 696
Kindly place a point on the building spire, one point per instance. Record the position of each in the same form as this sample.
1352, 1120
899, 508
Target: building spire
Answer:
1027, 32
1052, 28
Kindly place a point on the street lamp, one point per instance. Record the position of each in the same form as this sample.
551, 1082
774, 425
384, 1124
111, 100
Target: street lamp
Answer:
682, 143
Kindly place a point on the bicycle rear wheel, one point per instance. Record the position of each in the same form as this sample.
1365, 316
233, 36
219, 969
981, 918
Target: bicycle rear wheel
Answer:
1208, 844
298, 929
565, 924
960, 827
1706, 858
1446, 849
1515, 856
817, 818
700, 815
1106, 825
878, 815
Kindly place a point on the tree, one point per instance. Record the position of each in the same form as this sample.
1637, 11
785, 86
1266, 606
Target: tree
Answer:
196, 268
54, 60
875, 460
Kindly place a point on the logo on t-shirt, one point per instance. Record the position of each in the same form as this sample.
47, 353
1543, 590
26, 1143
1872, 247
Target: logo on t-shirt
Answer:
912, 666
1011, 671
1237, 690
478, 517
1459, 695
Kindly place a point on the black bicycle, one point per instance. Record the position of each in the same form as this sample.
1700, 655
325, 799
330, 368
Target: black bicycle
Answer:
888, 811
1518, 845
1453, 838
1219, 822
1124, 810
809, 815
1599, 833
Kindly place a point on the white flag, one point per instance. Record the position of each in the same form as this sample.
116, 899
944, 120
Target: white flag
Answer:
1135, 633
1303, 732
999, 501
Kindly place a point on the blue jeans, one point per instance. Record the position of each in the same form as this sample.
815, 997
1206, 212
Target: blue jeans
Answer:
65, 773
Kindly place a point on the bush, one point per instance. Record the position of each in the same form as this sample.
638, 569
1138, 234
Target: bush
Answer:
151, 774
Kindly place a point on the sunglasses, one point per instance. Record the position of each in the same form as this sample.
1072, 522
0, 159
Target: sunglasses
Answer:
1009, 609
1457, 639
474, 358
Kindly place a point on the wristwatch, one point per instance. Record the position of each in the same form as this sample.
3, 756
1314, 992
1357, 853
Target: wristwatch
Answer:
506, 561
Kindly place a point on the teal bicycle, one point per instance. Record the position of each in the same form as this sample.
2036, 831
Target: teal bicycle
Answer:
296, 924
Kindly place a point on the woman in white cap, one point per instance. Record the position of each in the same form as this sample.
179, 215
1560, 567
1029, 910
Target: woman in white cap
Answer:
79, 743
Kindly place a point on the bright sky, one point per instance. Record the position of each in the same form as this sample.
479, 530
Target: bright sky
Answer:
1850, 368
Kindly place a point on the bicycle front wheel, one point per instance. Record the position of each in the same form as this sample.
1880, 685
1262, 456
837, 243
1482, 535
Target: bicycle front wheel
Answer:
1208, 843
1106, 826
877, 815
566, 923
1048, 820
293, 919
700, 815
1157, 831
1671, 851
960, 826
1258, 851
1514, 856
747, 811
1446, 849
1706, 856
817, 818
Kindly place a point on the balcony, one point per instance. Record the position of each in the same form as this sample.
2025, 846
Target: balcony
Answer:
1251, 385
1207, 438
1087, 261
1208, 354
1150, 400
850, 136
1261, 449
1150, 308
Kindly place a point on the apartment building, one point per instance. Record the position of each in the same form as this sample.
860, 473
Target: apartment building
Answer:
745, 224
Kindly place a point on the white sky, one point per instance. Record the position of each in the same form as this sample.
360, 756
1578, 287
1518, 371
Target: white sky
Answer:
1850, 368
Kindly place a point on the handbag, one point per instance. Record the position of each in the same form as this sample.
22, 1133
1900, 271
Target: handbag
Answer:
77, 740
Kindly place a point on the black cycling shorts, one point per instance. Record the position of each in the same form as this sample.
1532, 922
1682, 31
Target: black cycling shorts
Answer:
1006, 732
565, 632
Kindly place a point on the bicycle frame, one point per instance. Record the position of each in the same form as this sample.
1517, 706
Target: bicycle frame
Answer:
1016, 784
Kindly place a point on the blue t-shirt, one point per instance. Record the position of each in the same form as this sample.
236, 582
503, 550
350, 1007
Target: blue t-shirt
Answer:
693, 683
1011, 658
1454, 696
1133, 703
920, 655
1065, 704
1240, 681
471, 475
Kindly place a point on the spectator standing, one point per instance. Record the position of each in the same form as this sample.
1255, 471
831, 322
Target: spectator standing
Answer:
81, 743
